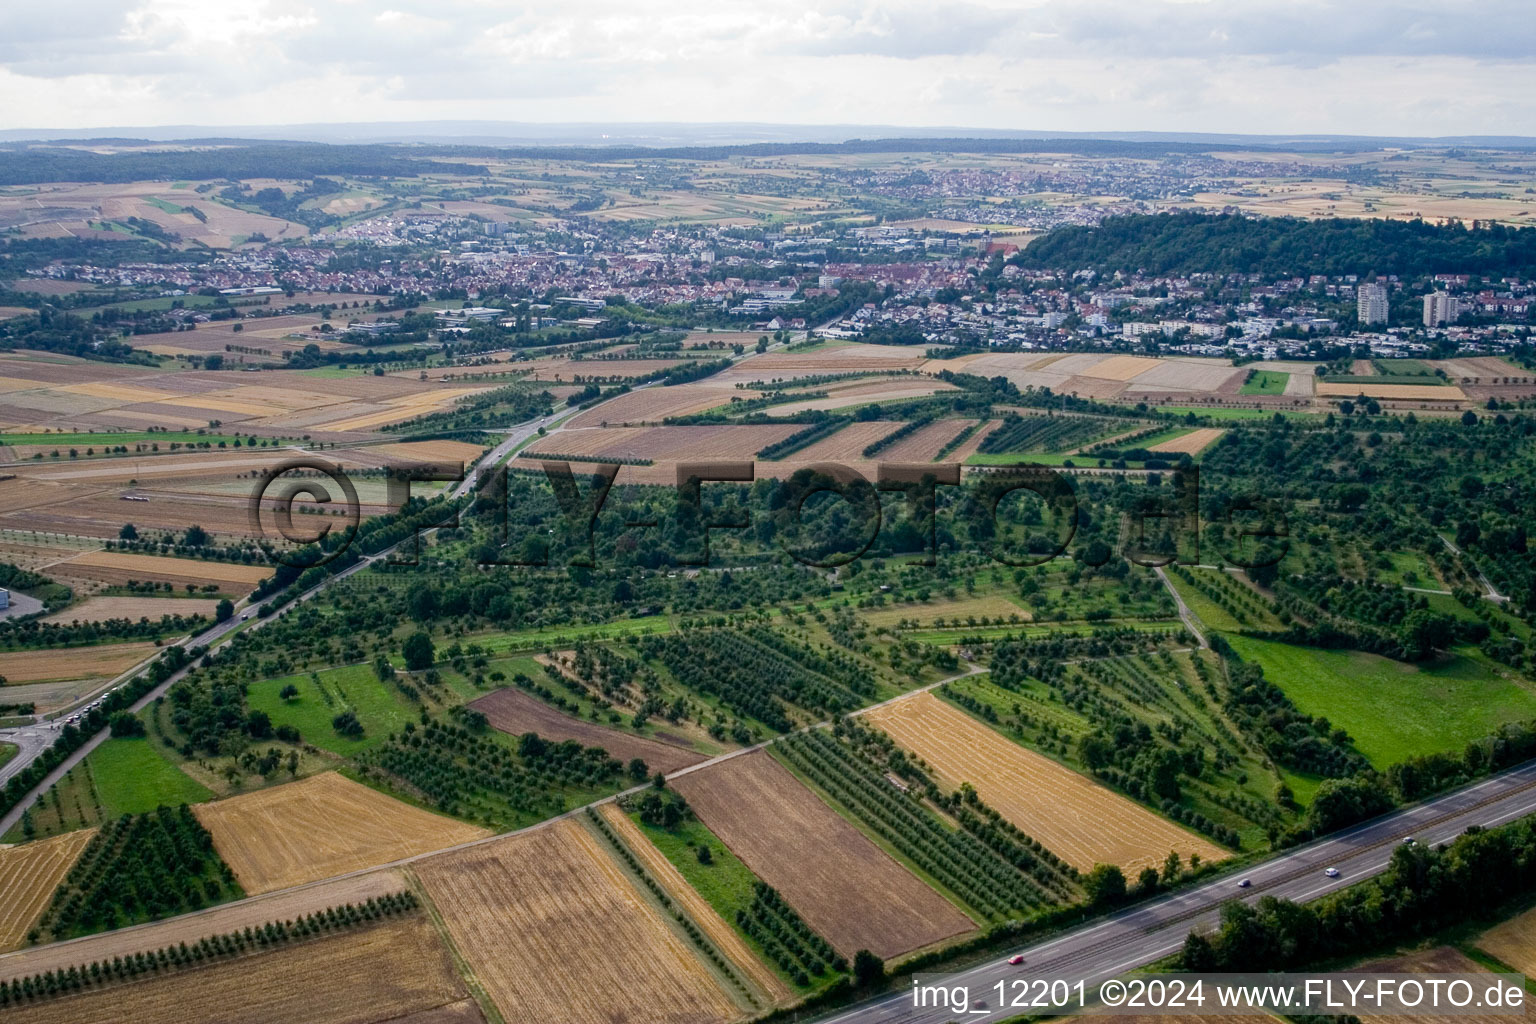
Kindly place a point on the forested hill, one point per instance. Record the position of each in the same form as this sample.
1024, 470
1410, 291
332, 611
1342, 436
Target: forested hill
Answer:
32, 165
1184, 243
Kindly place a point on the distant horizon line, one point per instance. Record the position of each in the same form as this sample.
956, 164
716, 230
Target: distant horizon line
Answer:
669, 134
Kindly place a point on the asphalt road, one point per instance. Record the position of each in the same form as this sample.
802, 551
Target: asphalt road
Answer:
1109, 947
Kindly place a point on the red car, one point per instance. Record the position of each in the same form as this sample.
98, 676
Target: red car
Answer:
1016, 959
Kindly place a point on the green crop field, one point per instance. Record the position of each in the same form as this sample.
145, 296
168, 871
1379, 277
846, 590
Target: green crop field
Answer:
1393, 710
725, 882
1403, 368
378, 706
1266, 382
336, 372
1221, 413
162, 204
561, 635
131, 777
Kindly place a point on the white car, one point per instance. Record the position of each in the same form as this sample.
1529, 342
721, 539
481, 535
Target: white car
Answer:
1332, 872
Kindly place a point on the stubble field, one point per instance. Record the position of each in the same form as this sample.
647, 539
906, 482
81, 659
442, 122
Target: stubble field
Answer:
121, 566
319, 827
28, 876
1513, 942
1077, 819
189, 928
387, 971
1192, 443
555, 931
101, 662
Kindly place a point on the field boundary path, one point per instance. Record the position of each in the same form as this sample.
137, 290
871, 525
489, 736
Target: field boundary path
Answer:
1187, 616
1493, 593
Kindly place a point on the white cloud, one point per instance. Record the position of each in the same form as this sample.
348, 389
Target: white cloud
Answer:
1455, 67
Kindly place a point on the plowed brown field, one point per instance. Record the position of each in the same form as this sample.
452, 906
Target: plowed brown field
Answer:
1077, 819
554, 931
318, 827
28, 876
845, 886
513, 711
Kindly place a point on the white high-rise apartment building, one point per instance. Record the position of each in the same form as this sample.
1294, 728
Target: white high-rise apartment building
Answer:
1372, 301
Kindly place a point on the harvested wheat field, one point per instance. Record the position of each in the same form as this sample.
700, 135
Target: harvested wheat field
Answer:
1401, 392
514, 712
652, 405
924, 444
848, 444
1077, 819
28, 876
725, 938
554, 930
1192, 443
120, 566
100, 609
1513, 942
1440, 960
431, 451
380, 972
318, 827
887, 389
845, 886
1121, 367
664, 443
101, 662
189, 928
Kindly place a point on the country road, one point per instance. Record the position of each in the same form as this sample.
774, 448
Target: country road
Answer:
1109, 947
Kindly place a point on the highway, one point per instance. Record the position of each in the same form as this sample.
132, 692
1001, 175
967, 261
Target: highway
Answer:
1109, 947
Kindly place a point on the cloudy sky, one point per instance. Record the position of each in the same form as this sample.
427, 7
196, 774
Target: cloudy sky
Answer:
1416, 67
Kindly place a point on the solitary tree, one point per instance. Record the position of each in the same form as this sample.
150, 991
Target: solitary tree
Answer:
867, 969
418, 651
1105, 885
